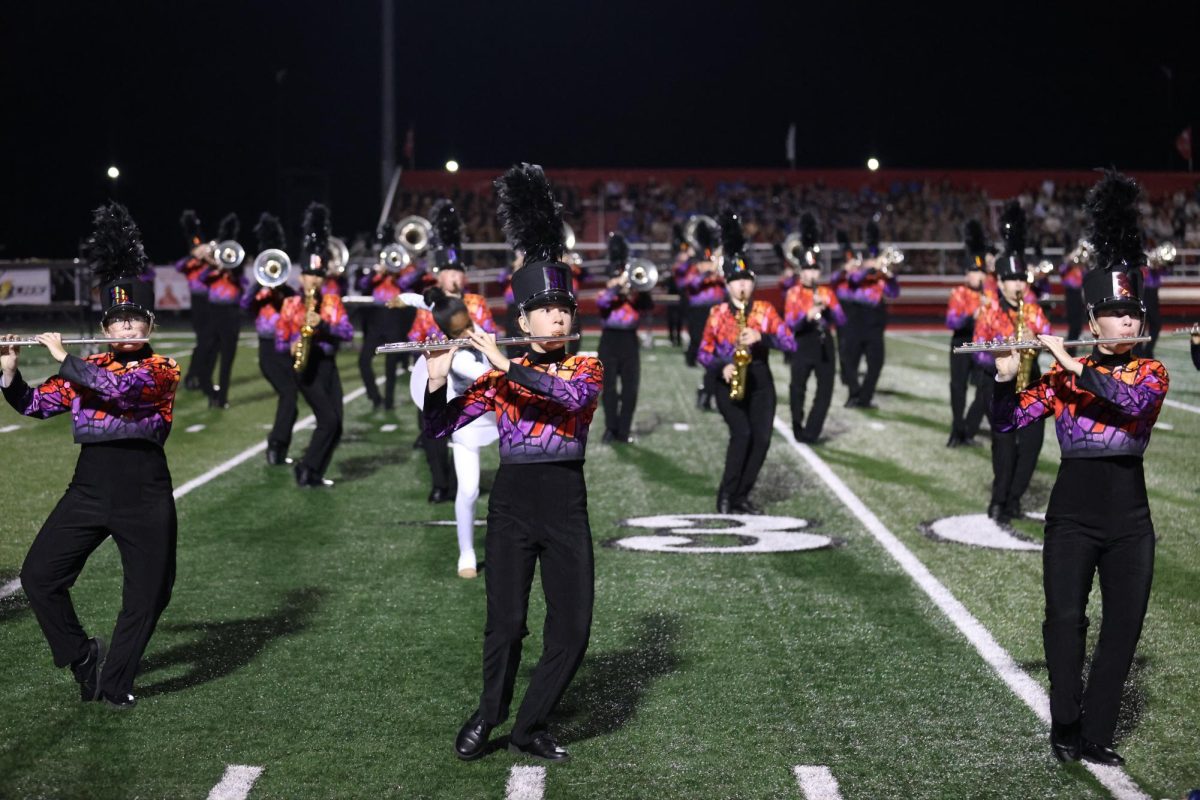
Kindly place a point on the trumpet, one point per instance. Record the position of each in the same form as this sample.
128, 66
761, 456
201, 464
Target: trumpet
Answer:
1082, 253
1043, 267
228, 254
1003, 345
641, 274
272, 268
394, 259
29, 341
414, 233
1162, 256
445, 344
886, 258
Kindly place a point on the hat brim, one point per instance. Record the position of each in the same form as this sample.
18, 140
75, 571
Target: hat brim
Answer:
554, 297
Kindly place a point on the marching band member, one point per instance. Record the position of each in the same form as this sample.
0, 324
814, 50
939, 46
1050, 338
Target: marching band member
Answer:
121, 405
1070, 272
620, 308
511, 313
676, 309
450, 275
1015, 314
276, 366
537, 510
1104, 408
1153, 272
315, 353
200, 254
1196, 345
703, 286
864, 299
384, 320
224, 320
967, 302
742, 328
811, 312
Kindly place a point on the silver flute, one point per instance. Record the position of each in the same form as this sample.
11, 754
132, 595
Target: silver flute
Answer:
29, 341
1001, 345
445, 344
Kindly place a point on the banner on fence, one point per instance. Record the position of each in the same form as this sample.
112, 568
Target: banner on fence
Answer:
25, 287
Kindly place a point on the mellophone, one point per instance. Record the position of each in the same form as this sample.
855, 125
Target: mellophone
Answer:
445, 344
31, 342
1002, 345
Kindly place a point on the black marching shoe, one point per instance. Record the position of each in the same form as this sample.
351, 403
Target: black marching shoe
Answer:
192, 383
441, 496
851, 402
1012, 509
472, 738
955, 440
542, 746
87, 670
1099, 754
723, 505
277, 457
1064, 741
307, 478
608, 437
744, 506
118, 702
996, 511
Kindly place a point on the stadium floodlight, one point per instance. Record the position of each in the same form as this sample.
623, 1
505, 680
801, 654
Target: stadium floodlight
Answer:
872, 164
452, 166
114, 173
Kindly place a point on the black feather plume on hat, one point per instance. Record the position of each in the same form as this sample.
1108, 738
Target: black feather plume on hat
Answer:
973, 239
114, 249
1113, 227
530, 216
270, 233
809, 234
230, 227
618, 250
386, 233
447, 225
316, 229
1012, 229
733, 238
191, 227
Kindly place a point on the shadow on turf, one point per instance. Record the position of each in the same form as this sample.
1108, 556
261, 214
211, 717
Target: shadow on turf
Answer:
229, 645
1133, 699
657, 468
611, 685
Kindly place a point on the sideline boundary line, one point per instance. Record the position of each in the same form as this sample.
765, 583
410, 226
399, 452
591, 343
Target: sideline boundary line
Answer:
1030, 692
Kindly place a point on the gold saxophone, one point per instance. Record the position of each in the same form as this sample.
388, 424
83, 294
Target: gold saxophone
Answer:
304, 346
1025, 369
741, 360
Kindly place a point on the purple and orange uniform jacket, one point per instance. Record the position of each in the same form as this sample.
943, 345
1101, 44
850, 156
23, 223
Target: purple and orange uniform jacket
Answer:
1071, 275
335, 324
264, 305
999, 321
721, 331
224, 286
867, 287
700, 288
960, 310
109, 399
621, 311
1108, 410
193, 269
544, 406
334, 284
799, 301
424, 328
382, 286
505, 280
1152, 277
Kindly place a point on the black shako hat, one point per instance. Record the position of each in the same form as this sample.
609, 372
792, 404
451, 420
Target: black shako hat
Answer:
542, 284
316, 239
1010, 265
115, 253
734, 262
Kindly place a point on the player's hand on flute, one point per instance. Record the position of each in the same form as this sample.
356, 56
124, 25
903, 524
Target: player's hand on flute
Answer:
485, 343
53, 343
1007, 362
1055, 345
8, 356
438, 362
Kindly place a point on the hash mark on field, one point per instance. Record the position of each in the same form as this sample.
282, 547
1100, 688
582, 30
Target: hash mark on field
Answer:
525, 783
1119, 784
817, 783
10, 588
388, 428
194, 428
681, 426
235, 783
10, 428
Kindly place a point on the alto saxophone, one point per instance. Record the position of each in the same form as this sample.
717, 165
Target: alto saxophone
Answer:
304, 346
1025, 369
741, 360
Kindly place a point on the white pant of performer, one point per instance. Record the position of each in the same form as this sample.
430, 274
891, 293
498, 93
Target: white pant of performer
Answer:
466, 467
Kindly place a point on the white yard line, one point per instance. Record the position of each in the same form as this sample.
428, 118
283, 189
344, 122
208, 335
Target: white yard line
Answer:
942, 347
817, 783
1181, 406
1022, 685
525, 783
236, 783
10, 428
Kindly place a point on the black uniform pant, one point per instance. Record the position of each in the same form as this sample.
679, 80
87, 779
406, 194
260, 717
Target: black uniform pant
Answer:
322, 388
199, 319
697, 317
437, 456
1120, 547
120, 489
380, 326
675, 315
1075, 313
277, 368
750, 423
965, 371
818, 360
619, 352
862, 337
536, 512
1014, 458
1153, 322
222, 330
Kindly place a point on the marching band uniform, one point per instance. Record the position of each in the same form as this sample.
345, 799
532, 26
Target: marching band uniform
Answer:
621, 309
264, 305
191, 266
816, 346
676, 309
121, 406
1071, 275
749, 419
384, 321
702, 290
864, 294
537, 509
320, 382
1014, 452
965, 305
224, 320
1099, 516
1152, 280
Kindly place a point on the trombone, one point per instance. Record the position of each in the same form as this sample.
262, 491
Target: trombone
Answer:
445, 344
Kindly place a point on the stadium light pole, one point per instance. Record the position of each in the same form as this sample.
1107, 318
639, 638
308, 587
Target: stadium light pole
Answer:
387, 93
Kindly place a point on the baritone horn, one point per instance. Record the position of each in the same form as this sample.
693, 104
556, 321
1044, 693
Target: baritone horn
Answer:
641, 274
272, 268
796, 254
229, 254
414, 233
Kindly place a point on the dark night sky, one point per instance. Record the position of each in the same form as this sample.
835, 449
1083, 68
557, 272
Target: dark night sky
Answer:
213, 104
